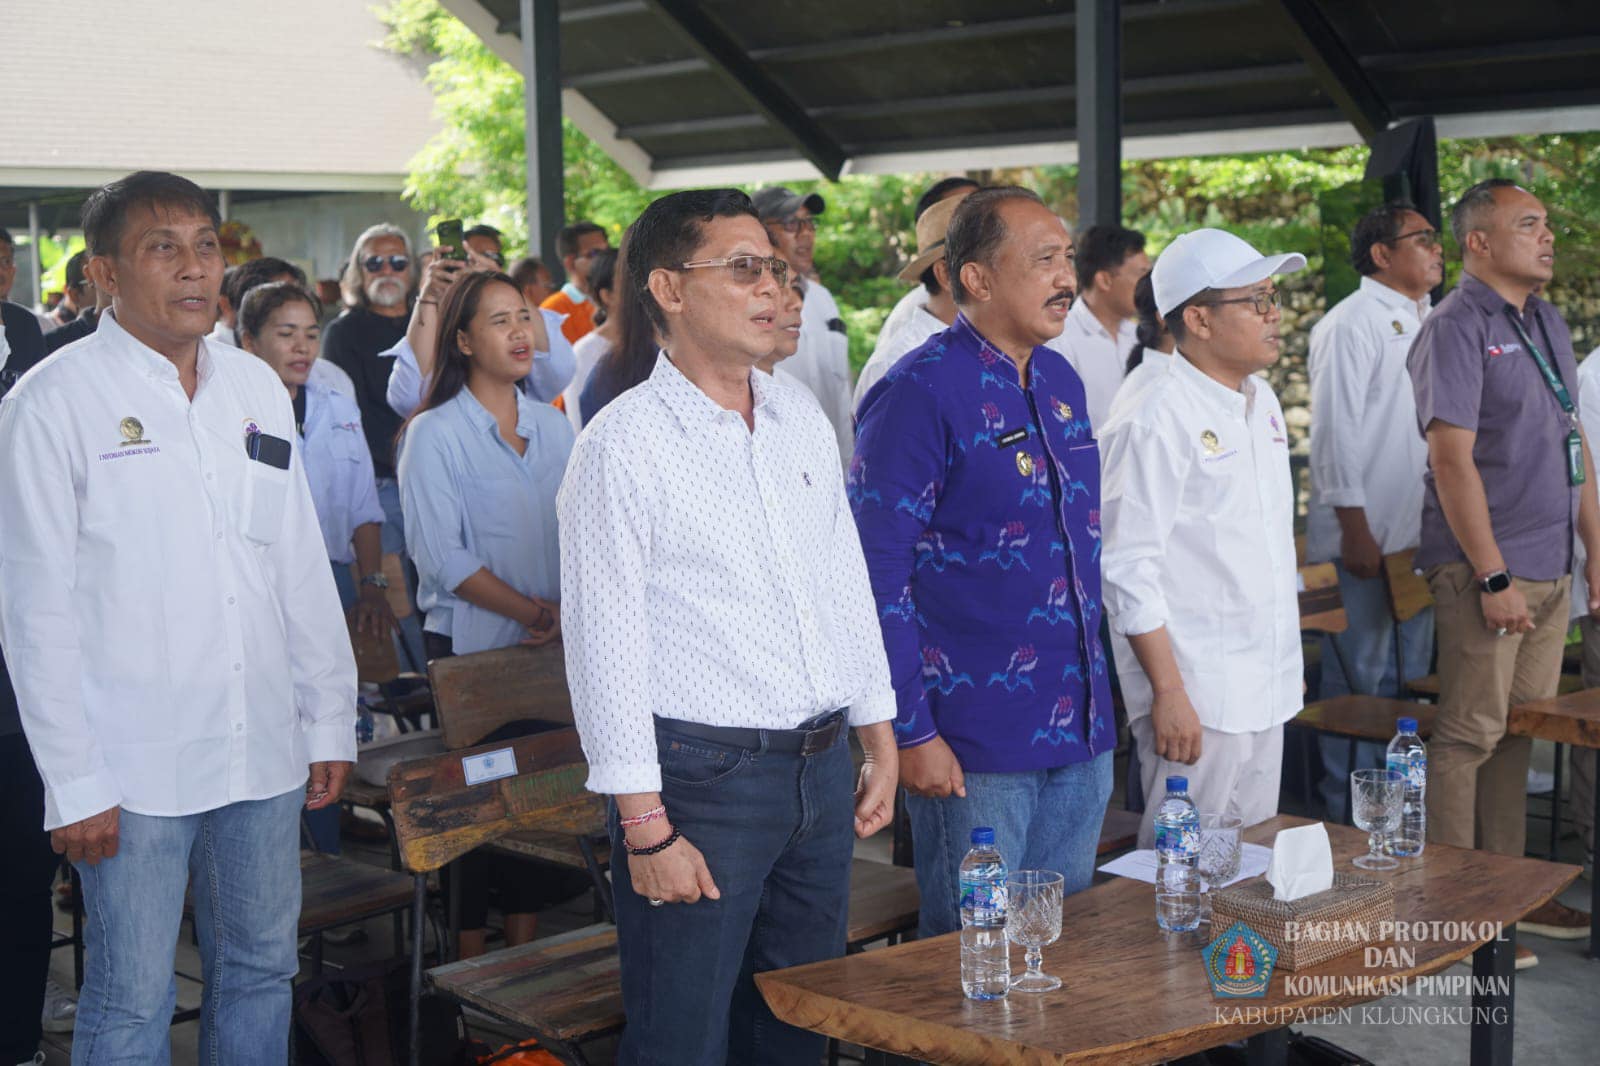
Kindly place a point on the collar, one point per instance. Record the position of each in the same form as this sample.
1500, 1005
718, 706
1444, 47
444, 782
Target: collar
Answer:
147, 359
988, 354
480, 418
1082, 315
575, 294
693, 409
1394, 298
1480, 295
1212, 391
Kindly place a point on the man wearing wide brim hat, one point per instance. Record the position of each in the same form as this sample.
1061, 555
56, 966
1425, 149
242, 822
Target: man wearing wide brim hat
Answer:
929, 270
1198, 521
822, 362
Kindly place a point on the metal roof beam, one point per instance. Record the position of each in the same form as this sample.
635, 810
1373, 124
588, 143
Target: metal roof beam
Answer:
1336, 68
1518, 52
747, 76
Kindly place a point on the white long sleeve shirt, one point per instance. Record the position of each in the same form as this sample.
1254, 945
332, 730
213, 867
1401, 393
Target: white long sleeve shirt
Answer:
550, 373
1198, 520
710, 574
166, 607
822, 364
1365, 448
338, 467
1099, 357
916, 326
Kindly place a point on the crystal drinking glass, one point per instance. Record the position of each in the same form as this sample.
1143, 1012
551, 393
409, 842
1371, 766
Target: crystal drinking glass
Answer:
1033, 919
1376, 802
1220, 855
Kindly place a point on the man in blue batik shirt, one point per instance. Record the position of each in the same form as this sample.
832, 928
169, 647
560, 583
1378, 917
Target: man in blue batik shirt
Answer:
976, 488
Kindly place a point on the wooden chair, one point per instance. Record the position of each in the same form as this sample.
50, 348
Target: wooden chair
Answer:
402, 696
476, 694
566, 990
1355, 717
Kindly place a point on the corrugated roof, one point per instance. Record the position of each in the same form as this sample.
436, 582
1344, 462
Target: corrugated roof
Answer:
920, 84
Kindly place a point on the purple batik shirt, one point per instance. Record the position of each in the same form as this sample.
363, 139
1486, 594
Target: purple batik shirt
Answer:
1470, 368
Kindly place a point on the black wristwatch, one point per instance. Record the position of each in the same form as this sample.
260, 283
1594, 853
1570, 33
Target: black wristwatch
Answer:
1498, 581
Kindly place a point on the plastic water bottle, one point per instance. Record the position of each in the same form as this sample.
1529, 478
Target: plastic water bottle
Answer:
1177, 826
1409, 757
985, 954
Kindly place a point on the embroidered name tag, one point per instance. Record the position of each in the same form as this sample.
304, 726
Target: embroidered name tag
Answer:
1497, 350
490, 766
1006, 440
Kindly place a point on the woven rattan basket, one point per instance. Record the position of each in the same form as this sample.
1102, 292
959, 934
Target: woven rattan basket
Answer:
1328, 924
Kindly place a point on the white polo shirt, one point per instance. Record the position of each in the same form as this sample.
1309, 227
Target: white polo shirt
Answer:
166, 606
1365, 448
1197, 509
1099, 358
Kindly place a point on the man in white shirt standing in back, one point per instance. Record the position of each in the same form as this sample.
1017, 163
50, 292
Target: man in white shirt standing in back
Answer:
179, 652
721, 635
1102, 327
1367, 466
823, 362
1198, 517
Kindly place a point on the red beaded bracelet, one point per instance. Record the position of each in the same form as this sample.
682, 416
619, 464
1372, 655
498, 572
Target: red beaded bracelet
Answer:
642, 819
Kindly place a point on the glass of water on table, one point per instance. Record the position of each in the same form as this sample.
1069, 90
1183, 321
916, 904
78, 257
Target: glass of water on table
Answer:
1220, 855
1033, 919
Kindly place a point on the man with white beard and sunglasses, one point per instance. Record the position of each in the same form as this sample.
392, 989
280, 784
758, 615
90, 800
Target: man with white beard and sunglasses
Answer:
377, 285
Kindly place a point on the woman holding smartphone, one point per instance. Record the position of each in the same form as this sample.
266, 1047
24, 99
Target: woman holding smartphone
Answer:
480, 464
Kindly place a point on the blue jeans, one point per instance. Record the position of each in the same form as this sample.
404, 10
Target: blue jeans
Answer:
1368, 649
409, 636
1042, 820
244, 863
777, 833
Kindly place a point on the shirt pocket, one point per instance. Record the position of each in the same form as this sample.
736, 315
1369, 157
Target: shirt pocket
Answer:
496, 506
266, 494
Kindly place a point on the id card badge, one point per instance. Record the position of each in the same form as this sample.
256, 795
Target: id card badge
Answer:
1575, 471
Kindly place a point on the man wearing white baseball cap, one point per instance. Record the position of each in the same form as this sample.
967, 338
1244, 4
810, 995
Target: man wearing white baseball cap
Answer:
1198, 519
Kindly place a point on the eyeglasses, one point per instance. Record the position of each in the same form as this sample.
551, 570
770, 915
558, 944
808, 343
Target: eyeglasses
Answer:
1263, 302
793, 226
374, 264
594, 252
494, 257
1429, 238
746, 269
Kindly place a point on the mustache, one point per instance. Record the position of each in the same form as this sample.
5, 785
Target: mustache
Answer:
1062, 296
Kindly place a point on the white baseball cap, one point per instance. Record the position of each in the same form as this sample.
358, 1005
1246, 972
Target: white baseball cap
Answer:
1213, 259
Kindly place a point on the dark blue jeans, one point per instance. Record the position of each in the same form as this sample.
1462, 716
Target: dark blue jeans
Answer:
777, 833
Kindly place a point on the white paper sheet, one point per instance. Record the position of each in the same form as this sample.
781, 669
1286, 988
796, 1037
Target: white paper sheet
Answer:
1141, 865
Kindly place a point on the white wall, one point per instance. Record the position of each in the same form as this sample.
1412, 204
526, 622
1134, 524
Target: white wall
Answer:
316, 232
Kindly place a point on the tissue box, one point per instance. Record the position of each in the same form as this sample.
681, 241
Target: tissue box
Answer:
1315, 928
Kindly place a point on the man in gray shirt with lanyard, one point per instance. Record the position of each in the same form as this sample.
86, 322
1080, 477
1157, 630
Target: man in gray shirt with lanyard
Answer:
1509, 475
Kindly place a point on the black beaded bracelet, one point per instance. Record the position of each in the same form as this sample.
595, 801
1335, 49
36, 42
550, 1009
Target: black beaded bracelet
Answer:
655, 848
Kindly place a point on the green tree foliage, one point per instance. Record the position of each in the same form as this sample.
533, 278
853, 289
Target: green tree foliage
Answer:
475, 167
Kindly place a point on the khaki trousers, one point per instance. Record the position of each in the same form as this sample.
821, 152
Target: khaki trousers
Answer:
1581, 807
1477, 775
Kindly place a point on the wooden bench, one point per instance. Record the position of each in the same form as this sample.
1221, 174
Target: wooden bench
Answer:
1572, 719
1119, 831
1355, 717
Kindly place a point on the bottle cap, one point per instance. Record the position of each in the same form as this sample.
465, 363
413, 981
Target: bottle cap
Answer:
982, 835
1407, 725
1175, 783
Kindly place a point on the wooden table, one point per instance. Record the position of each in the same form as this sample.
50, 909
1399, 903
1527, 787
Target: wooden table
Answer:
1573, 719
1131, 995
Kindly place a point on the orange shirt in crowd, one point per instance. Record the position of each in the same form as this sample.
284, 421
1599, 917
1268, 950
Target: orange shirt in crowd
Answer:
579, 309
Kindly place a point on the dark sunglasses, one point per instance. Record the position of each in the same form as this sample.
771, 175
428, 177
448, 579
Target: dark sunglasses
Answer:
374, 264
746, 269
794, 226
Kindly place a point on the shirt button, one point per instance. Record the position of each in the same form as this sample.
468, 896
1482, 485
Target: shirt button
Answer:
237, 667
230, 600
238, 727
219, 534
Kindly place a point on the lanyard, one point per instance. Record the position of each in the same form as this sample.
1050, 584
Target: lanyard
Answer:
1548, 372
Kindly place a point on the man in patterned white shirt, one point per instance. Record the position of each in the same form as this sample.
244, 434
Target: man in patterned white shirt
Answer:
720, 635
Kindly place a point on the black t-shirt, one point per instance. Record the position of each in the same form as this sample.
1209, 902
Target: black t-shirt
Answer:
75, 330
353, 341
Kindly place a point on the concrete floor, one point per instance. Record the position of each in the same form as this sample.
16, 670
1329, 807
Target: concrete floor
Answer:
1557, 1012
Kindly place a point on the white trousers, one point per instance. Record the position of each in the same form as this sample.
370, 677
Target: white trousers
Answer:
1237, 773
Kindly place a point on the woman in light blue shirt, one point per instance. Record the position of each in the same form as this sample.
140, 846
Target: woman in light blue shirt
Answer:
479, 467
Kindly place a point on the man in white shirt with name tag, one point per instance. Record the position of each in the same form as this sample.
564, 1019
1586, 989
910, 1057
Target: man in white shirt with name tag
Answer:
1198, 516
1367, 466
181, 657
